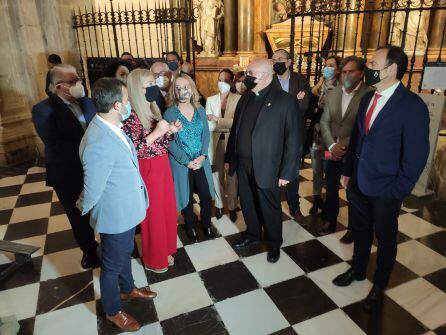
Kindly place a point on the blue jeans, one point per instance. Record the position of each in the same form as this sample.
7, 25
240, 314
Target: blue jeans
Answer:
116, 269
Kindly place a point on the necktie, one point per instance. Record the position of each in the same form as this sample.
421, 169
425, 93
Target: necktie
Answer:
369, 114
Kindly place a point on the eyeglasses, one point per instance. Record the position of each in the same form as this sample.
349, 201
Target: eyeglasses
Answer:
73, 81
161, 74
280, 59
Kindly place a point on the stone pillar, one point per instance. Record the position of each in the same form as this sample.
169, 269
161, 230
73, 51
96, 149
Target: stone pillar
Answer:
262, 16
245, 26
348, 28
438, 22
377, 22
230, 30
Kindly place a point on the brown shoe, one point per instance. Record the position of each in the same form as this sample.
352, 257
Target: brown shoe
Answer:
124, 322
139, 293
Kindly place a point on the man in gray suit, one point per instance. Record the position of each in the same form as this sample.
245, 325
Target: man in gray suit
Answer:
337, 122
115, 196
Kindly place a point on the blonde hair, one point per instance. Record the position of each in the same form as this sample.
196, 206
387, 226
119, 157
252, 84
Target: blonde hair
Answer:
173, 100
146, 111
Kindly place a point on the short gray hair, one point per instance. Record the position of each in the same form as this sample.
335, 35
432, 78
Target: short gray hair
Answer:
57, 74
106, 91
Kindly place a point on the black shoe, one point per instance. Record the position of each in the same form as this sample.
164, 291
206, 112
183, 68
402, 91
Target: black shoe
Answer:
233, 215
244, 242
318, 203
89, 261
347, 278
298, 216
327, 228
273, 255
218, 213
191, 234
374, 299
208, 232
347, 238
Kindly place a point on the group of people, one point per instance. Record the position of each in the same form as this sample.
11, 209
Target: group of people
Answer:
146, 142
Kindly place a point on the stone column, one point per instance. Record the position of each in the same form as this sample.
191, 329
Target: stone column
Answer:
245, 26
230, 30
348, 28
437, 34
261, 23
377, 22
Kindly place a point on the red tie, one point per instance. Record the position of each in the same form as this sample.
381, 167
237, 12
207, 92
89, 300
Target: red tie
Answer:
369, 114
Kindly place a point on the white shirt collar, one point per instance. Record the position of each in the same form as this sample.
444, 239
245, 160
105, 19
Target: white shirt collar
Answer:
285, 79
344, 91
388, 92
111, 125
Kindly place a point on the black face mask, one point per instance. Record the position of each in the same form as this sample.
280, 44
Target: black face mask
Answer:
173, 66
249, 82
373, 77
152, 93
279, 68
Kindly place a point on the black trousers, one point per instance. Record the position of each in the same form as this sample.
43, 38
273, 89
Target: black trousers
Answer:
80, 225
198, 184
292, 195
333, 171
260, 207
369, 216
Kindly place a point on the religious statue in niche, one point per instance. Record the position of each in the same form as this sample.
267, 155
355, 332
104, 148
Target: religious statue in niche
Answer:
278, 13
210, 26
413, 25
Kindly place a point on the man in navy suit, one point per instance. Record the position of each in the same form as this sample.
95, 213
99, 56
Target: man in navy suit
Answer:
60, 122
387, 153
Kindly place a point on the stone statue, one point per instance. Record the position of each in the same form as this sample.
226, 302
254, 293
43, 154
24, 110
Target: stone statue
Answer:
279, 13
211, 20
411, 34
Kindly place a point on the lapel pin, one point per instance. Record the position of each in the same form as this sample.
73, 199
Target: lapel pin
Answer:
269, 104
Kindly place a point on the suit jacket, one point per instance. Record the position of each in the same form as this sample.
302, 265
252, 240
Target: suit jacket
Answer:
298, 82
388, 161
333, 124
61, 132
224, 125
114, 192
276, 141
161, 102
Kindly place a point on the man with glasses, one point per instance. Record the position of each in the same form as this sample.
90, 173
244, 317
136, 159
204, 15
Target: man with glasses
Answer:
263, 148
60, 122
162, 78
297, 85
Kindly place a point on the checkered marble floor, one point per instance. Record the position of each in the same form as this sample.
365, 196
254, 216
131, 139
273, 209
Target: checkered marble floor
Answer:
213, 289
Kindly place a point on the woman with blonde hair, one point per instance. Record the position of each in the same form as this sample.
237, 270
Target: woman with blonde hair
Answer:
151, 136
189, 155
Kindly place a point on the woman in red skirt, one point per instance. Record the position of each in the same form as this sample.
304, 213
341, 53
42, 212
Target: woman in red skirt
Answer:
151, 136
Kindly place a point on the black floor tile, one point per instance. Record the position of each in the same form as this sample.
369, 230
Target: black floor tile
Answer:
314, 223
247, 252
20, 230
400, 238
9, 191
54, 291
27, 326
434, 212
183, 266
436, 242
35, 177
228, 280
34, 199
438, 278
201, 237
5, 216
440, 330
299, 299
392, 319
56, 209
60, 241
29, 273
204, 321
286, 331
142, 310
312, 255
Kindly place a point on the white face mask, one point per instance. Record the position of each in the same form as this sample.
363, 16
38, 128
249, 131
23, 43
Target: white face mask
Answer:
223, 87
77, 91
162, 81
240, 87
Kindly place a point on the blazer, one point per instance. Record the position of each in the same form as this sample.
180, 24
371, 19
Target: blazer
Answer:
276, 138
298, 82
333, 124
388, 161
224, 125
61, 133
114, 192
179, 160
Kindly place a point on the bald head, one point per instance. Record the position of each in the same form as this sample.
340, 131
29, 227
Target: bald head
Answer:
158, 67
262, 70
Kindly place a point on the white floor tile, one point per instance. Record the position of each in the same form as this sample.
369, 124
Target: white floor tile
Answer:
152, 329
293, 233
307, 174
423, 300
6, 257
8, 203
55, 198
11, 181
242, 318
139, 276
3, 229
342, 296
415, 227
61, 263
305, 188
343, 194
58, 223
226, 227
96, 283
210, 253
409, 210
37, 241
35, 187
271, 273
419, 258
74, 320
343, 216
30, 213
36, 169
180, 295
344, 251
334, 322
179, 243
20, 301
305, 206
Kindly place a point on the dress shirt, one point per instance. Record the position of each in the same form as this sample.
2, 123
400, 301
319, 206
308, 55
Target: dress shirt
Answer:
117, 130
285, 83
347, 97
385, 96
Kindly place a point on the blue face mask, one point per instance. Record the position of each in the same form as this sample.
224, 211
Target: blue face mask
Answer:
128, 108
328, 72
